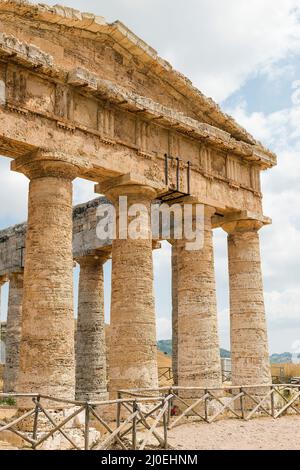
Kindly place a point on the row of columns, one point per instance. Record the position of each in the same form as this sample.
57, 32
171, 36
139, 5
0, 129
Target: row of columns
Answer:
46, 355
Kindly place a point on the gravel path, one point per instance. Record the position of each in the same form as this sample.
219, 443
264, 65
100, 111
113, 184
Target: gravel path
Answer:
260, 434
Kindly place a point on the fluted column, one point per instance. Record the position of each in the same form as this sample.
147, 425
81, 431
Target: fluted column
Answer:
13, 332
3, 280
91, 381
133, 348
175, 311
199, 362
248, 329
47, 363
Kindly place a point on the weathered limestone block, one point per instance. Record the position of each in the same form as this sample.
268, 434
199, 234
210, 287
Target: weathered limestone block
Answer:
199, 362
133, 350
175, 311
249, 340
3, 280
12, 243
13, 332
91, 381
47, 345
85, 239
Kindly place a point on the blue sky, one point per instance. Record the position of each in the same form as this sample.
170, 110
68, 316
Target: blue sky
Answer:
246, 55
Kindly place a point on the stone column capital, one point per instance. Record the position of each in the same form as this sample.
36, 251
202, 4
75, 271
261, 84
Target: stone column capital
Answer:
45, 163
242, 226
209, 211
138, 189
18, 275
4, 279
94, 257
135, 193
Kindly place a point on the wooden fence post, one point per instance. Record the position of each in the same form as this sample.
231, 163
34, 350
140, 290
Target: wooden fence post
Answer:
242, 403
165, 422
134, 409
36, 416
87, 427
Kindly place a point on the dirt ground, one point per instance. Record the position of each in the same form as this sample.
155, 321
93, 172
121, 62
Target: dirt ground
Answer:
230, 434
6, 446
258, 434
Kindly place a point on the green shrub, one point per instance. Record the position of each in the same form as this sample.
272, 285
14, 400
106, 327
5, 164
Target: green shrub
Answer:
8, 402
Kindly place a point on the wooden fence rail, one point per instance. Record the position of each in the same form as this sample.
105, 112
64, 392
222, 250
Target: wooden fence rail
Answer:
209, 405
121, 431
139, 413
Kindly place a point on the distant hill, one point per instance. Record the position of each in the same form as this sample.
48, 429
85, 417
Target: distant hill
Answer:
165, 346
284, 358
225, 354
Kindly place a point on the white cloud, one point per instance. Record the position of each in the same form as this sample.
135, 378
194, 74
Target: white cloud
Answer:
13, 195
83, 191
163, 328
283, 307
280, 242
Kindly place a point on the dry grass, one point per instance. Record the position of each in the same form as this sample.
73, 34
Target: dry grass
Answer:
288, 370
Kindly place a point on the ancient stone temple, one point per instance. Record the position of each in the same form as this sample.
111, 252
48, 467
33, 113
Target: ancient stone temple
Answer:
83, 98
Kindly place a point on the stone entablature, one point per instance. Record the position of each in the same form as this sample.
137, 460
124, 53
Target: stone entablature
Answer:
128, 125
116, 45
12, 244
12, 239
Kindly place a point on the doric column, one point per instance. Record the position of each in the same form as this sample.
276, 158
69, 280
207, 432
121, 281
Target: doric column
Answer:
47, 363
249, 341
3, 280
13, 332
91, 381
199, 363
133, 348
175, 311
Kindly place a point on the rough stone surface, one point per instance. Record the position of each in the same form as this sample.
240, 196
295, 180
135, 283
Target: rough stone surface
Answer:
85, 240
12, 242
47, 346
91, 380
175, 311
13, 332
127, 48
133, 350
199, 362
249, 341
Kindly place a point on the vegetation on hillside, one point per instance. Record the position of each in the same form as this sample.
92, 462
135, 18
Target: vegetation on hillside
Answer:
285, 358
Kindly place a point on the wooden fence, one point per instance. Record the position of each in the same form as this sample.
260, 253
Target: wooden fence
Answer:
210, 405
121, 431
165, 374
143, 415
